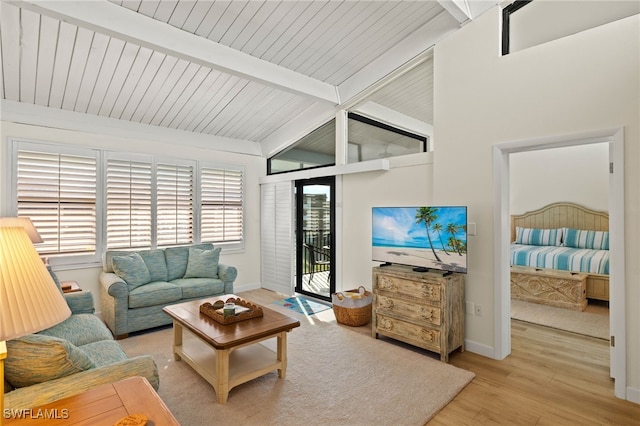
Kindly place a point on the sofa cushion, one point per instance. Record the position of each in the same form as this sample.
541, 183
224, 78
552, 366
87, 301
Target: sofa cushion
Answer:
156, 264
199, 287
177, 258
37, 358
152, 294
132, 269
105, 352
80, 329
202, 263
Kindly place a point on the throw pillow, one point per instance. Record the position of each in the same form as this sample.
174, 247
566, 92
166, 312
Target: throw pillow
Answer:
538, 237
585, 239
202, 263
132, 269
37, 358
156, 264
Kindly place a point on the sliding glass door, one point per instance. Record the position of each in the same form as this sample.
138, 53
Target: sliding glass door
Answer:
315, 260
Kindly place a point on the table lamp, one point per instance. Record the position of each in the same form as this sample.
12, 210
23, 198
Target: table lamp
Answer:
29, 299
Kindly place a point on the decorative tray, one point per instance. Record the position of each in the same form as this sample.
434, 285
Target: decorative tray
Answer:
214, 310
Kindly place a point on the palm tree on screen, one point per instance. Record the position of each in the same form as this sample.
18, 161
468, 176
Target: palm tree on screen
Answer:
454, 242
438, 228
428, 215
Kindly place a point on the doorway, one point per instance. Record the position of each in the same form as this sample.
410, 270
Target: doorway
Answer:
502, 293
315, 243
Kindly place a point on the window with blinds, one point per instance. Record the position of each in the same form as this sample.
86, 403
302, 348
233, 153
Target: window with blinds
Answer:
58, 192
174, 204
129, 192
84, 201
221, 205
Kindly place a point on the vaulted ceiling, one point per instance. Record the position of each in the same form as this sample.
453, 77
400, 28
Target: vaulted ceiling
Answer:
235, 71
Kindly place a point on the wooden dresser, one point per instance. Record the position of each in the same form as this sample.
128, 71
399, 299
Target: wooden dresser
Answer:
425, 309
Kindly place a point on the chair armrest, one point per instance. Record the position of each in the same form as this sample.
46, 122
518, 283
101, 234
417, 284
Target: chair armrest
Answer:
80, 302
52, 390
114, 285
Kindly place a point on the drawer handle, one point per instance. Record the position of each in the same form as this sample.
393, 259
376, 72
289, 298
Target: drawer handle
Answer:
387, 304
385, 284
426, 313
385, 324
428, 291
428, 335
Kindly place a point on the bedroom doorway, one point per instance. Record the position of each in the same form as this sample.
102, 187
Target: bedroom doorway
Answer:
501, 154
556, 188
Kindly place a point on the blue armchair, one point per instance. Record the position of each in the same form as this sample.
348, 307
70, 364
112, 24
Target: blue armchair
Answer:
69, 358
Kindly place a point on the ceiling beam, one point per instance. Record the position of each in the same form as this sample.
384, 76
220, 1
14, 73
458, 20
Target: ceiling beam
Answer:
121, 23
459, 9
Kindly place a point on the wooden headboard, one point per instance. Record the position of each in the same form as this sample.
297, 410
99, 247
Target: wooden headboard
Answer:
559, 215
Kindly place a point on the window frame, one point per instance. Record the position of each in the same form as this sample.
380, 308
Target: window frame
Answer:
226, 245
19, 144
78, 261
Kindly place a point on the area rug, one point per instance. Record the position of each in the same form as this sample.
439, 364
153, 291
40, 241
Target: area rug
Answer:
302, 305
335, 375
593, 321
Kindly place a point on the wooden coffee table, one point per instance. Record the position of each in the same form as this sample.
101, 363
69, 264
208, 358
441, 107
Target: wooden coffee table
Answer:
103, 405
228, 355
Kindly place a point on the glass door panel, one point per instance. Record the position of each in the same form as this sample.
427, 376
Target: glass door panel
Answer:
315, 213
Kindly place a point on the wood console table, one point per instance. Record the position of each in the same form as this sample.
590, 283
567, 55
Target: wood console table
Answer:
100, 406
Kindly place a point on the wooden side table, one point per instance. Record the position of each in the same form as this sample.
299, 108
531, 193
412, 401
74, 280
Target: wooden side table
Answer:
70, 286
101, 406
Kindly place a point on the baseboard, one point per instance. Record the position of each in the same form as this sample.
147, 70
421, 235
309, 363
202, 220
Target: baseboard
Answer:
479, 348
237, 288
633, 395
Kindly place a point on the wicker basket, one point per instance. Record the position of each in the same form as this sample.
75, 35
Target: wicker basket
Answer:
353, 307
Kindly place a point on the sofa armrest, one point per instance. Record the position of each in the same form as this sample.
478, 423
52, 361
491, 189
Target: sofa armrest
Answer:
52, 390
114, 303
80, 302
114, 285
228, 275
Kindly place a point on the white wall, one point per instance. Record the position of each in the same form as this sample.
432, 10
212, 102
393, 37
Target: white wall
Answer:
246, 261
407, 183
584, 82
576, 174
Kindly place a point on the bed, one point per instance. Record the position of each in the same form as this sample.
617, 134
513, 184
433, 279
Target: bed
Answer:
560, 255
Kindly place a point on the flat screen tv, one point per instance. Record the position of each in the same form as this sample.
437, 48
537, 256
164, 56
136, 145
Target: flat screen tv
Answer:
423, 237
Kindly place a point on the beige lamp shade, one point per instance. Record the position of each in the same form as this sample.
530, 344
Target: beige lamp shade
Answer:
29, 298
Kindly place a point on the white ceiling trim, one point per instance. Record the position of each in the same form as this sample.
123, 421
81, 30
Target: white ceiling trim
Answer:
23, 113
394, 118
123, 24
459, 9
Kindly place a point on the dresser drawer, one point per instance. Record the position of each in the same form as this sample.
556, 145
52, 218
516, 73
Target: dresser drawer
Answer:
409, 310
422, 290
423, 337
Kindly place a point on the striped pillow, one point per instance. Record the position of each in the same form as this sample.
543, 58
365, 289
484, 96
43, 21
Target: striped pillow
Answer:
539, 237
582, 238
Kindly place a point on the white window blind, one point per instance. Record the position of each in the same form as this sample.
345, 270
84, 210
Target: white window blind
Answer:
221, 205
129, 193
58, 192
174, 204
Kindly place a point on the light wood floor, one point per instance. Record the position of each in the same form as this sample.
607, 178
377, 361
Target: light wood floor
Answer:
551, 378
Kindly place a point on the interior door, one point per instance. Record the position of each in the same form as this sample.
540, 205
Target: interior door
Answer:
315, 249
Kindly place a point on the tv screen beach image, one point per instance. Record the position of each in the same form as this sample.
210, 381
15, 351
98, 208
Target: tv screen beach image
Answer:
429, 237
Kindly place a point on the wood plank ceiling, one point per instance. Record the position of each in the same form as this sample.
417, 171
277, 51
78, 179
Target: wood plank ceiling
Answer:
72, 63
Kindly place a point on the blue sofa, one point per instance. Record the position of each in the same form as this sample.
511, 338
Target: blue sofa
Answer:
136, 285
69, 358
